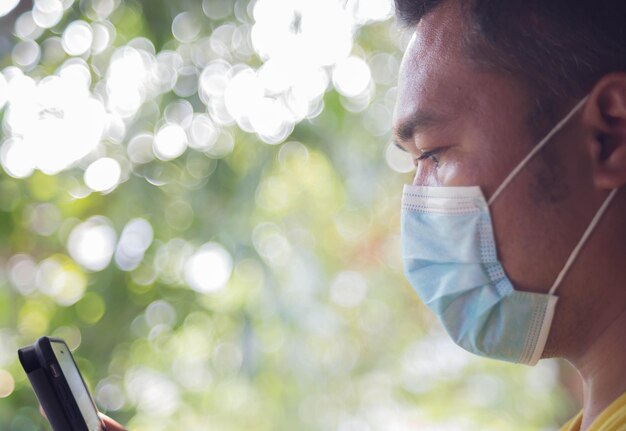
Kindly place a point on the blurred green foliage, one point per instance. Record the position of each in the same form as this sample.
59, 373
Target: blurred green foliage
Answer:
315, 327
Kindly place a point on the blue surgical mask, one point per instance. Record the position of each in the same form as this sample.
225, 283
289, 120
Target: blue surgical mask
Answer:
451, 261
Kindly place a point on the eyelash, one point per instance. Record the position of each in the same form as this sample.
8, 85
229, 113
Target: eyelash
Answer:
430, 154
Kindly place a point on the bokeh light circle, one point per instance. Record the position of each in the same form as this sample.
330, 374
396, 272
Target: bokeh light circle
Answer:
6, 6
170, 142
92, 243
351, 76
209, 269
7, 383
77, 38
103, 174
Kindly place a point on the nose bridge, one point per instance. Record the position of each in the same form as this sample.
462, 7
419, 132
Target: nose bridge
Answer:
425, 176
419, 177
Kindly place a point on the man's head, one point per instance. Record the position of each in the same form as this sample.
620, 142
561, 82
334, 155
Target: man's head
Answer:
480, 84
559, 47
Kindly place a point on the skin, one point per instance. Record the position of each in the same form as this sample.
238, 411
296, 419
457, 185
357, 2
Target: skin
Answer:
480, 121
110, 424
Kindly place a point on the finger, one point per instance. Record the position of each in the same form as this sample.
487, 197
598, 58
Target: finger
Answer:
111, 424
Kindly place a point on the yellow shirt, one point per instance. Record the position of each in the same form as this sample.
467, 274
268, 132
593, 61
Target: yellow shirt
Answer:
613, 418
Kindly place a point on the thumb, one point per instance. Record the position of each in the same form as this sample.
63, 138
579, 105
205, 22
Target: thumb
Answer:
111, 425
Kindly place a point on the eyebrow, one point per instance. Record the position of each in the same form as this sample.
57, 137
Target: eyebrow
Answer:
416, 123
394, 142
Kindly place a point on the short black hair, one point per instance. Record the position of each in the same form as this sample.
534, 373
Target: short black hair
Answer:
561, 47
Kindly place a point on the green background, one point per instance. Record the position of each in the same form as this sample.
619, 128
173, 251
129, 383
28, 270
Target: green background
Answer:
316, 328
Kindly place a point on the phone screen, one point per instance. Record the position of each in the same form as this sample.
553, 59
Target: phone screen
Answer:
77, 386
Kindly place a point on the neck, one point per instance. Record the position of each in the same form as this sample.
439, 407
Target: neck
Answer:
602, 370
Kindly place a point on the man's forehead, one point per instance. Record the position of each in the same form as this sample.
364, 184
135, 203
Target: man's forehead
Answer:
435, 76
441, 30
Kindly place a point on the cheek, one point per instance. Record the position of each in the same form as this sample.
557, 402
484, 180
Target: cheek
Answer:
454, 173
464, 167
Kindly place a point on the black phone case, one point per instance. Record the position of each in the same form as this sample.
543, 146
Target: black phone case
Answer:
53, 393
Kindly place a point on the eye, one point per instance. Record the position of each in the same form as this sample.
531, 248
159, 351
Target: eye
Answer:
431, 155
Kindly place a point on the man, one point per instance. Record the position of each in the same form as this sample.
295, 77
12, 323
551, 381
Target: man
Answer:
482, 82
527, 100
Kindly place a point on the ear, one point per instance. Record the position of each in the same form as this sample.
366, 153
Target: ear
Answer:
605, 114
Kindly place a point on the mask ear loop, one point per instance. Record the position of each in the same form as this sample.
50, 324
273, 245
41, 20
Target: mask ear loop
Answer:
534, 151
549, 314
583, 240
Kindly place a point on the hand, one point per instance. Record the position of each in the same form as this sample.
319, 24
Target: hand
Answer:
110, 424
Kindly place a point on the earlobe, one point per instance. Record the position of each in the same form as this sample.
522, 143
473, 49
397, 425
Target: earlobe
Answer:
605, 113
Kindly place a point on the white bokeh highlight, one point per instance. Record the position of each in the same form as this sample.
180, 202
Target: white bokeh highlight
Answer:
50, 124
6, 6
398, 160
170, 142
92, 243
136, 237
47, 13
209, 268
65, 284
77, 38
351, 76
103, 175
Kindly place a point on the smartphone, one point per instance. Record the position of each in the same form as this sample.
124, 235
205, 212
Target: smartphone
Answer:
59, 386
